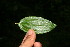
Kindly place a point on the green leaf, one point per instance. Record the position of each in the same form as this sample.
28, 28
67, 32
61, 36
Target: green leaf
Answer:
38, 24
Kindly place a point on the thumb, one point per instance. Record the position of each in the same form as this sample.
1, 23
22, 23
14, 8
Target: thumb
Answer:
29, 39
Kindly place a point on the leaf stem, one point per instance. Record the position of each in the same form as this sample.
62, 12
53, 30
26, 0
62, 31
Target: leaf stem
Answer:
16, 23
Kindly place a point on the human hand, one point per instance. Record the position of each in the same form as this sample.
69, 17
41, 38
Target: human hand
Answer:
29, 40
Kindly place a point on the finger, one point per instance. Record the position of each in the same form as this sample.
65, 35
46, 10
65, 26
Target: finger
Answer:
29, 38
27, 35
37, 44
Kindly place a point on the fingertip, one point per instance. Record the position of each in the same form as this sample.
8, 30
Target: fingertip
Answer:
30, 30
37, 44
33, 32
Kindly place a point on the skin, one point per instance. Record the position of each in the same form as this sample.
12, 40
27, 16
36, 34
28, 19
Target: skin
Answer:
29, 40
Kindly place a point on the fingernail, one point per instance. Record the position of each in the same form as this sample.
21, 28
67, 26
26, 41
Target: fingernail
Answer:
30, 32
